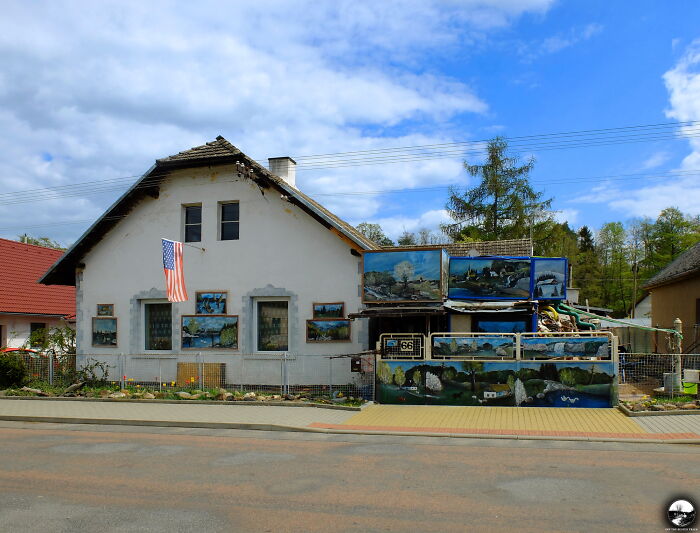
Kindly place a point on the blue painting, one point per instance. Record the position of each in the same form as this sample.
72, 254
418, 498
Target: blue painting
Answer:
403, 276
497, 383
211, 303
210, 331
503, 326
543, 347
549, 278
489, 278
473, 346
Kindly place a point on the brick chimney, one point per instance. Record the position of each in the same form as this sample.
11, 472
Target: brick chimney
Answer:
285, 168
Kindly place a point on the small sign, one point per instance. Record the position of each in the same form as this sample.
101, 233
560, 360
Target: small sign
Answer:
406, 346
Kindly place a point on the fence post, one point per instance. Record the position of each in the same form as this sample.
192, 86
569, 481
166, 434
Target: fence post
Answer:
122, 370
677, 349
200, 370
330, 376
51, 356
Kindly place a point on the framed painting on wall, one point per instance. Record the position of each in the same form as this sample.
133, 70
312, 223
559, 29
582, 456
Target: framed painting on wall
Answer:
549, 278
492, 278
329, 310
211, 303
327, 331
105, 309
209, 332
402, 276
104, 331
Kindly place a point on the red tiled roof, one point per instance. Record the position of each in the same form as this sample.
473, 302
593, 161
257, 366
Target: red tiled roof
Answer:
21, 266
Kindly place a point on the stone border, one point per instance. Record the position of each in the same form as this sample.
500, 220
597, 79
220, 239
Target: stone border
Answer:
658, 413
189, 402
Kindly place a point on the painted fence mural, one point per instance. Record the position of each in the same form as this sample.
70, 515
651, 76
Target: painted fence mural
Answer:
524, 370
502, 383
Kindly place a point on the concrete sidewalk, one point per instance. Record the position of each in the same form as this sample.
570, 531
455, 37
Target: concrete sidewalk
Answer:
475, 422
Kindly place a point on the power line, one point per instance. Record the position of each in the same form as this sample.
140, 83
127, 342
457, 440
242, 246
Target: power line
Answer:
383, 156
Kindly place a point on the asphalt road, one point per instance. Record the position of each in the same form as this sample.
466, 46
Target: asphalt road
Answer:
63, 478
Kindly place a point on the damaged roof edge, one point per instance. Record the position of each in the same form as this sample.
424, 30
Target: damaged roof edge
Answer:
54, 272
62, 272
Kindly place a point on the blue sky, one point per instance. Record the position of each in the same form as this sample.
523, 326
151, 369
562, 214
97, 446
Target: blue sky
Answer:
97, 91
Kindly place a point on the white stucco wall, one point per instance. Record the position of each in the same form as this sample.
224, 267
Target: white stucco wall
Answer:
15, 329
281, 252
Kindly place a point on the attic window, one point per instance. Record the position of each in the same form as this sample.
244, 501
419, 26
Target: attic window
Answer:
229, 216
193, 223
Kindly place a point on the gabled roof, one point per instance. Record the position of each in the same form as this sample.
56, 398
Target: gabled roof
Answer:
21, 266
217, 152
683, 266
512, 247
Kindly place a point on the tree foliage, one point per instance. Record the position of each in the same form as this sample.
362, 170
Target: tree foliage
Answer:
375, 233
503, 205
40, 241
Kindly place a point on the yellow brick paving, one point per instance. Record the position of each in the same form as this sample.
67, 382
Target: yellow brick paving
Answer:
496, 418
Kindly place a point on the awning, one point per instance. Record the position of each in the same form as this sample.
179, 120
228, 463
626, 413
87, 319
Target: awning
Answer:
399, 311
518, 306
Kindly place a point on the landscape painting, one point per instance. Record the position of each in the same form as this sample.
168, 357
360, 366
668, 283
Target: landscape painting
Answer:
330, 310
104, 331
549, 277
327, 331
105, 309
489, 278
496, 383
546, 347
402, 276
486, 346
210, 332
211, 303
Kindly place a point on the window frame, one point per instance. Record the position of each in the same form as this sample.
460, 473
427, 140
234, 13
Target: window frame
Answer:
144, 334
185, 225
256, 324
221, 221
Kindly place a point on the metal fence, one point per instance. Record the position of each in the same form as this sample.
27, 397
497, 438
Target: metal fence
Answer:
312, 376
650, 373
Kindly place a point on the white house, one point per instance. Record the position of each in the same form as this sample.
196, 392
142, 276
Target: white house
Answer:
260, 252
26, 305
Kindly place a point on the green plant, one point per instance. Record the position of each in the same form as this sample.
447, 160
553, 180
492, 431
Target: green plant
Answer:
94, 373
13, 371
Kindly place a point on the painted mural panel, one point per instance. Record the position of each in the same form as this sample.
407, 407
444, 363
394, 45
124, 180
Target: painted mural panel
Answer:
497, 383
210, 331
546, 347
489, 278
485, 346
402, 276
549, 278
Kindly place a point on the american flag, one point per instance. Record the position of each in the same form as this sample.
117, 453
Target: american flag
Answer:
174, 275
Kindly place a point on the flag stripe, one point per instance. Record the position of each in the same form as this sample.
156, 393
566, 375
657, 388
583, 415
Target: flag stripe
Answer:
174, 271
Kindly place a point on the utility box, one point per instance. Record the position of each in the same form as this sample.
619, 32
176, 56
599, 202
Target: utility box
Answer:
691, 376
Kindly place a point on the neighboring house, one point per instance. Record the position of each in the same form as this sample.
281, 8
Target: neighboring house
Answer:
258, 255
25, 304
675, 293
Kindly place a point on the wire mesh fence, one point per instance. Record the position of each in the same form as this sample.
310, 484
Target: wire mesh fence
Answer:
308, 376
656, 374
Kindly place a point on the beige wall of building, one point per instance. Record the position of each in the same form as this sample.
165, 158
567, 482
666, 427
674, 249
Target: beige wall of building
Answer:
677, 300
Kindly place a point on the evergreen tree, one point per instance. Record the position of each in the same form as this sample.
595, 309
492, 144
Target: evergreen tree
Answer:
503, 205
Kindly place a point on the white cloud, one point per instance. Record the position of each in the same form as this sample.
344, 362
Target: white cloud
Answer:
567, 215
394, 226
558, 42
99, 90
683, 85
655, 160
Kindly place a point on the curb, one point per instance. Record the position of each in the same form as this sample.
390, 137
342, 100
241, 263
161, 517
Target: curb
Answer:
674, 412
301, 429
188, 402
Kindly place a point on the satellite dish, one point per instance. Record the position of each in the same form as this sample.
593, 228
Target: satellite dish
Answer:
472, 253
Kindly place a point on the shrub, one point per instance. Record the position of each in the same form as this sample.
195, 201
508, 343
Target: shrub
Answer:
13, 371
